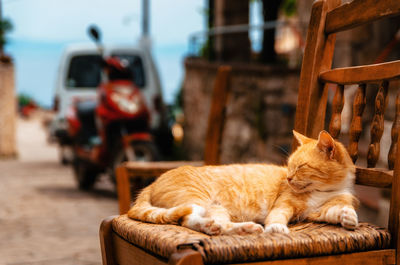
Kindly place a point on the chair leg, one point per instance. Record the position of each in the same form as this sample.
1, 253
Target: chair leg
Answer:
106, 242
123, 189
186, 257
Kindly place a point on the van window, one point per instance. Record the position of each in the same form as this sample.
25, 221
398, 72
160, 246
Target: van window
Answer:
84, 71
136, 65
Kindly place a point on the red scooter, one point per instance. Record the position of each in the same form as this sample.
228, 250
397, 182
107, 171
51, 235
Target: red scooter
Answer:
112, 129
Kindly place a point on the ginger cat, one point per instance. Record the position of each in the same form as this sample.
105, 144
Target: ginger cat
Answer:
317, 185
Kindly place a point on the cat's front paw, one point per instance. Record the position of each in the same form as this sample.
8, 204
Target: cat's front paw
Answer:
209, 227
277, 228
245, 228
348, 218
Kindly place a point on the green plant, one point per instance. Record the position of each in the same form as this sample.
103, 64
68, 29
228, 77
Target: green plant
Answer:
289, 7
24, 99
5, 26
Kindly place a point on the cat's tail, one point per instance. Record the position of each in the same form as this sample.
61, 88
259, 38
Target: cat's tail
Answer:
143, 210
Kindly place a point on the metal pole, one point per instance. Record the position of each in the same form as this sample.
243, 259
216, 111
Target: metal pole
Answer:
1, 33
145, 18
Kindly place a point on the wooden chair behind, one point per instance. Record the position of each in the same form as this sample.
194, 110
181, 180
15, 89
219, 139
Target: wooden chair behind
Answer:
216, 121
327, 18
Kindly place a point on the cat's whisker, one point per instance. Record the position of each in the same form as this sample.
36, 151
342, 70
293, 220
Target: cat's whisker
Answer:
285, 153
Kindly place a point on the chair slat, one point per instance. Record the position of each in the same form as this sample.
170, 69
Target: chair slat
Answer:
216, 118
377, 124
359, 12
374, 177
362, 74
318, 56
394, 134
356, 122
337, 107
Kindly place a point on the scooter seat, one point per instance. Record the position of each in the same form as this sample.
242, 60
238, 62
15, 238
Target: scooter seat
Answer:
86, 108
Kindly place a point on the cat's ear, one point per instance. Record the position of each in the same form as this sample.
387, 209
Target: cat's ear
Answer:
301, 138
326, 144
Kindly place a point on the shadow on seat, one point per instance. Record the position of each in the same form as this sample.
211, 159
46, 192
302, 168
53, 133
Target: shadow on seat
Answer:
125, 241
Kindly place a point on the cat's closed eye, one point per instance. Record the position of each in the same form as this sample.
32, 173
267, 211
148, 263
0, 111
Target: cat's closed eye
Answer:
294, 169
301, 166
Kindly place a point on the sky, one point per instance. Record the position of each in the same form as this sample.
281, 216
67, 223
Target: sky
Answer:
42, 28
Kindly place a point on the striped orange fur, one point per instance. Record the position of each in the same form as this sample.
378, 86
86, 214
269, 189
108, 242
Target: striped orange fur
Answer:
317, 184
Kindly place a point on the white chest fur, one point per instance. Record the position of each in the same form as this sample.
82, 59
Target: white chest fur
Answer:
318, 198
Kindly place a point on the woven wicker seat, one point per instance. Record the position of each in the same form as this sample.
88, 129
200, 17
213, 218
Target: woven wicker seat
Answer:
305, 239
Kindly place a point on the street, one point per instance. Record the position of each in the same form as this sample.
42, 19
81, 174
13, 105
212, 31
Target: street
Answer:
44, 218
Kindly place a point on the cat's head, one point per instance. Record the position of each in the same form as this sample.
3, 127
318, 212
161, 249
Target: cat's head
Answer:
319, 165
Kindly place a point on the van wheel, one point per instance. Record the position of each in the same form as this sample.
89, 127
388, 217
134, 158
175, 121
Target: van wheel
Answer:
84, 175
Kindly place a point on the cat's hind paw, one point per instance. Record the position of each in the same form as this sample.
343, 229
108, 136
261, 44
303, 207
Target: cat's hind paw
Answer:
277, 228
348, 218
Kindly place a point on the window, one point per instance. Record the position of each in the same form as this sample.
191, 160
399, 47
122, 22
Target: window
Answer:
84, 71
136, 65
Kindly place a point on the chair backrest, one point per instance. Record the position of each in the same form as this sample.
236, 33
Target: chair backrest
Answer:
327, 18
216, 117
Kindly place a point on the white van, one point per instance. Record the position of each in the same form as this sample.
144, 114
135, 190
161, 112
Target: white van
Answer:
80, 74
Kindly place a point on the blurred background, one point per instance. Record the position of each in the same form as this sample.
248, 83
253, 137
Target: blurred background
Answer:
42, 29
54, 78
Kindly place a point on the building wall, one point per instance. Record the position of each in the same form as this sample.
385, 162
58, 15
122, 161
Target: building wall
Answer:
7, 111
232, 46
260, 111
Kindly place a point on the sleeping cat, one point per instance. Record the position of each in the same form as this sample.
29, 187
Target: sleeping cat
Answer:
317, 185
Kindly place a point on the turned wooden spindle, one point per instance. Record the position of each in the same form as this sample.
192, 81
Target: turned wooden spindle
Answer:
395, 134
337, 107
356, 122
377, 124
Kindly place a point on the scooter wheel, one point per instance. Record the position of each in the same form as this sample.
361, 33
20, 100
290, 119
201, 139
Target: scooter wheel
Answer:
84, 175
144, 151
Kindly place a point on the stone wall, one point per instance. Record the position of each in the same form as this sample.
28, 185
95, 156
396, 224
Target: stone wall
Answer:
260, 111
7, 111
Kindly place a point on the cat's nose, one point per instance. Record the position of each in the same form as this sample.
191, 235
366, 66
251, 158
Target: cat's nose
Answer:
289, 178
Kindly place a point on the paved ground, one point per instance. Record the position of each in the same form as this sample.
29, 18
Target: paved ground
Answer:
44, 218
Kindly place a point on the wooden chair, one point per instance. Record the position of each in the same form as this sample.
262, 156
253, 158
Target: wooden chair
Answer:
126, 241
216, 120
